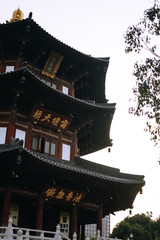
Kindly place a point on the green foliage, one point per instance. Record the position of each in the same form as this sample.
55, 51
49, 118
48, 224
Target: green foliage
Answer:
147, 89
92, 238
141, 220
156, 227
139, 225
139, 233
121, 231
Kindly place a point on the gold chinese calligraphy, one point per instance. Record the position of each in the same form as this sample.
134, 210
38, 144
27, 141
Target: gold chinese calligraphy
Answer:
58, 193
49, 119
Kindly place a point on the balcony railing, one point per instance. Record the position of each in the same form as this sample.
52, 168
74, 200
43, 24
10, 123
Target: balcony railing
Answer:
10, 233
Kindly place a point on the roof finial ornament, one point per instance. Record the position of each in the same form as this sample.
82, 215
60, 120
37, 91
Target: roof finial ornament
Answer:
17, 15
30, 15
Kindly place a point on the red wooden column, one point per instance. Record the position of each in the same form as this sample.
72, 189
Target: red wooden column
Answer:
18, 64
71, 92
10, 131
2, 68
74, 220
59, 87
39, 220
6, 207
28, 142
73, 150
74, 147
99, 220
59, 151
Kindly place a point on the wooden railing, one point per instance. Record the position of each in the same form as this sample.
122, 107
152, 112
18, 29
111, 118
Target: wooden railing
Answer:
10, 233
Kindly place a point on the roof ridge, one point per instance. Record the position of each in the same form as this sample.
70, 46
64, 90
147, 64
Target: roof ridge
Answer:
99, 59
30, 20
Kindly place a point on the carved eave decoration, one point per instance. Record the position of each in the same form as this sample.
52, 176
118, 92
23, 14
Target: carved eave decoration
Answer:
52, 64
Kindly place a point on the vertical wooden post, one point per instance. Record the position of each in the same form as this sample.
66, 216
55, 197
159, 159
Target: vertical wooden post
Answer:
28, 142
18, 64
83, 232
59, 87
39, 220
59, 154
73, 151
99, 220
78, 230
71, 92
6, 207
74, 220
10, 131
2, 67
74, 147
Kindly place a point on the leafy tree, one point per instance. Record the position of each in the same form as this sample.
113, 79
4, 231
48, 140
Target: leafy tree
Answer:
142, 36
121, 231
140, 219
139, 225
156, 228
139, 233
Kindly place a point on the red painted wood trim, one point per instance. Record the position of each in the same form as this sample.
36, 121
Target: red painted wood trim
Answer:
39, 220
10, 131
6, 207
28, 142
74, 220
59, 152
99, 220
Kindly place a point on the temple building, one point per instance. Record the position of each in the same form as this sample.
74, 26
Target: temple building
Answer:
53, 110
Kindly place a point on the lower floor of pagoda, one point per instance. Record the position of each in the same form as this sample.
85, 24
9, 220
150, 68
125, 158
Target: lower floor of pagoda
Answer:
30, 210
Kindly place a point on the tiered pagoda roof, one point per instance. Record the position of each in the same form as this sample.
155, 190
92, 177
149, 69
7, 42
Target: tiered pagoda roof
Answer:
91, 114
26, 38
116, 190
91, 120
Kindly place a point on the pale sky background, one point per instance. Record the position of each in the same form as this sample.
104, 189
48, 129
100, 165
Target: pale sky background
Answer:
96, 28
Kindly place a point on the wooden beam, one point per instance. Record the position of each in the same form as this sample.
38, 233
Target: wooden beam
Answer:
89, 206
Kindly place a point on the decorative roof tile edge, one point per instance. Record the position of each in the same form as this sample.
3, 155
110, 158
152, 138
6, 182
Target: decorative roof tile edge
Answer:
60, 163
85, 102
31, 21
63, 164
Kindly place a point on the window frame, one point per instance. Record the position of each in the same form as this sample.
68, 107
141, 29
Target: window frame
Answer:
51, 140
67, 85
64, 86
49, 84
5, 134
38, 146
9, 65
67, 144
55, 86
22, 130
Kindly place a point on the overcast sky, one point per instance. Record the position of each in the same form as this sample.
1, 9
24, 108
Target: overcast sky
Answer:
96, 27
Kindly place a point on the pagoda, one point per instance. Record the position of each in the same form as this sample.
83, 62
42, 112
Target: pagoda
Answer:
53, 110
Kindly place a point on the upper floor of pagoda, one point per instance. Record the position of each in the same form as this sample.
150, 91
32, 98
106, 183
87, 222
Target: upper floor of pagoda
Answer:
57, 64
51, 92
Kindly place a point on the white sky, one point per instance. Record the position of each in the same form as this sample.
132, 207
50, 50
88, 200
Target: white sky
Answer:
96, 27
